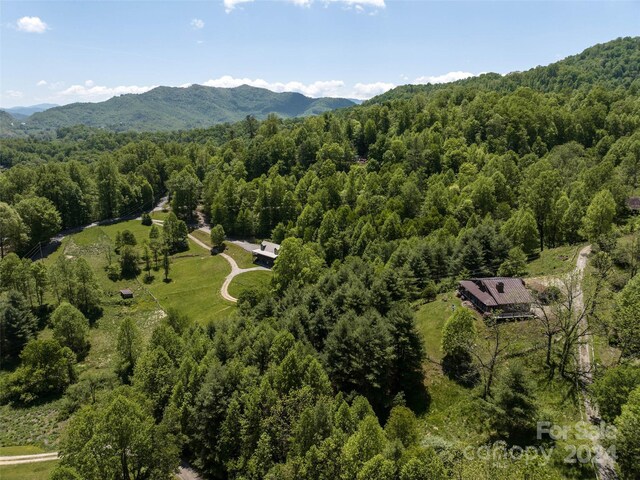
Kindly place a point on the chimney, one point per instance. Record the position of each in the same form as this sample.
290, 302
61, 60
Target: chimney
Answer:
500, 287
263, 246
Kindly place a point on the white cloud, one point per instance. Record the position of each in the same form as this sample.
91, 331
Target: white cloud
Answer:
364, 91
41, 83
229, 5
359, 5
97, 93
446, 78
197, 24
315, 89
31, 25
13, 93
88, 83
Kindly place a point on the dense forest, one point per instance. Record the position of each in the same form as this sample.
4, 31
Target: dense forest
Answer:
321, 375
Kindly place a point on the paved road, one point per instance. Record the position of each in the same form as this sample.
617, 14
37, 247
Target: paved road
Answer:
604, 464
235, 269
19, 459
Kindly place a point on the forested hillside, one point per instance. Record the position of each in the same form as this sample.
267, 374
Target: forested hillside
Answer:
380, 209
172, 108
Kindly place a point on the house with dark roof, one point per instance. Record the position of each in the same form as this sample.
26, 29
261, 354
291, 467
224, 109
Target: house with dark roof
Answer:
267, 253
502, 297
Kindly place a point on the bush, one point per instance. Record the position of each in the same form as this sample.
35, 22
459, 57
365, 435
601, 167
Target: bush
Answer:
129, 267
147, 220
550, 295
71, 329
47, 369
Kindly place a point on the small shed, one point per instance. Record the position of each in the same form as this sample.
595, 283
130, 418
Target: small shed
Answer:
266, 254
633, 204
126, 293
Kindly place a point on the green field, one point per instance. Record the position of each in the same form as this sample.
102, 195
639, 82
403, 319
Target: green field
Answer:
28, 471
554, 261
243, 258
20, 450
258, 278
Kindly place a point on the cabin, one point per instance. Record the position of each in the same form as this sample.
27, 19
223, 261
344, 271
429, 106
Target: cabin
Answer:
501, 297
633, 204
126, 293
267, 253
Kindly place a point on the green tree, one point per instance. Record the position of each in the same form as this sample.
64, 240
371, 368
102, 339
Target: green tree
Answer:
626, 319
154, 375
611, 390
108, 183
128, 349
600, 215
515, 412
175, 233
41, 218
366, 443
515, 265
628, 437
402, 425
185, 192
458, 335
166, 264
17, 325
87, 292
297, 264
71, 329
129, 259
47, 369
118, 440
13, 231
217, 236
522, 231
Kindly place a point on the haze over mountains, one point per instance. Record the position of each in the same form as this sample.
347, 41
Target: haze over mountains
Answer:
175, 108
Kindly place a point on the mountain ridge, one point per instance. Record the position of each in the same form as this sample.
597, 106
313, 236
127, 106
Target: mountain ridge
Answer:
178, 108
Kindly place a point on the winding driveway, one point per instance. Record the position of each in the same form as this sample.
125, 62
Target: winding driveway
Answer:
235, 269
604, 464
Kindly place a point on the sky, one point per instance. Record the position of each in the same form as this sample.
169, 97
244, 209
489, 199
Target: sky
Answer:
88, 51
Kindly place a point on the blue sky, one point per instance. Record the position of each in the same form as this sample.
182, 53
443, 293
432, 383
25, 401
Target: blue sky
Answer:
67, 51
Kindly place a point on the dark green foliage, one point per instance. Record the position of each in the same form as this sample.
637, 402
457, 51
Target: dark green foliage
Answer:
129, 259
146, 219
514, 415
17, 325
47, 368
628, 437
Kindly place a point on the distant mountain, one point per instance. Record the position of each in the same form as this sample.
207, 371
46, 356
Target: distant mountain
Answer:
173, 108
613, 64
8, 125
21, 113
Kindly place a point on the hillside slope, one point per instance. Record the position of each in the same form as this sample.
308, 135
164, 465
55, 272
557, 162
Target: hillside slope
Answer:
173, 108
612, 64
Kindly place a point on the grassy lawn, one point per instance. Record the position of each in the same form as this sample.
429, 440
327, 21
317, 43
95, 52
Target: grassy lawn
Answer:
20, 450
160, 215
195, 286
28, 471
258, 278
202, 236
456, 414
243, 258
554, 261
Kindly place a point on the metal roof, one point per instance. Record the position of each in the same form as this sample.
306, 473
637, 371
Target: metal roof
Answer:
268, 249
488, 290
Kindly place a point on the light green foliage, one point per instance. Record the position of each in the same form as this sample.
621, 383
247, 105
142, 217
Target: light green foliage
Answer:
217, 236
13, 231
521, 229
611, 391
459, 332
626, 319
628, 438
366, 443
297, 264
600, 215
41, 218
515, 265
71, 328
118, 440
402, 425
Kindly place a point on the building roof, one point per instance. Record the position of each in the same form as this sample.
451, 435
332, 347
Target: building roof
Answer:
268, 249
498, 291
633, 203
126, 291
